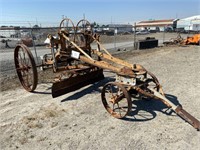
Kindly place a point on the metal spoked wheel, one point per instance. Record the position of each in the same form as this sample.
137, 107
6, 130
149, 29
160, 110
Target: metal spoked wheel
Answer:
116, 99
155, 84
25, 67
68, 26
84, 26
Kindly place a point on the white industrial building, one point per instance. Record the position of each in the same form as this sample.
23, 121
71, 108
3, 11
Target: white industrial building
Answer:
189, 24
159, 25
10, 32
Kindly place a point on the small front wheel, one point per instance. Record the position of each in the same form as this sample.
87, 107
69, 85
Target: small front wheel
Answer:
116, 99
25, 67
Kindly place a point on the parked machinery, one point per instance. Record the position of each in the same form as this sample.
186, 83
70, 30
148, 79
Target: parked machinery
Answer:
79, 65
195, 40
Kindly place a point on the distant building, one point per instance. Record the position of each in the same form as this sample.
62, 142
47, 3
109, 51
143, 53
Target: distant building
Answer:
121, 28
13, 32
158, 25
189, 24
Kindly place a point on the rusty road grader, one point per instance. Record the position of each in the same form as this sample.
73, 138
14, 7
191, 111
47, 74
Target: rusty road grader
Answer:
78, 65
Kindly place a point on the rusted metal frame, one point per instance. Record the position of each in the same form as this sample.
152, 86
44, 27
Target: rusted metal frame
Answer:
76, 82
135, 67
79, 66
101, 46
100, 64
78, 70
65, 68
138, 89
163, 98
113, 59
188, 117
105, 65
156, 81
54, 42
48, 62
77, 47
73, 71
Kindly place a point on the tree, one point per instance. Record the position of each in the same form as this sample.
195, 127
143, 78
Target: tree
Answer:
36, 27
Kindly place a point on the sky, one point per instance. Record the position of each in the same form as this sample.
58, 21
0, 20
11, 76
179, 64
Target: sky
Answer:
50, 12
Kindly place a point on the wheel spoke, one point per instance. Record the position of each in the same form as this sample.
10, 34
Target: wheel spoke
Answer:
107, 91
28, 63
116, 99
25, 67
67, 25
113, 107
111, 90
24, 57
21, 60
119, 109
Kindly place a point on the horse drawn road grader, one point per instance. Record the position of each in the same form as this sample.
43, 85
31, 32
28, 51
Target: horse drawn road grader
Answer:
78, 64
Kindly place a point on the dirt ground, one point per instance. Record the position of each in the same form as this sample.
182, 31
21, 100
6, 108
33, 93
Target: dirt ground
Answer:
78, 120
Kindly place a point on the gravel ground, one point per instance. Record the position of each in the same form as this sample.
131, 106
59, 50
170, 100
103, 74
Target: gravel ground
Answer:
78, 120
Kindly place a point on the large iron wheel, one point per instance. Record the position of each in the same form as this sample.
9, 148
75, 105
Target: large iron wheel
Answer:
84, 26
155, 84
151, 83
68, 26
116, 99
25, 67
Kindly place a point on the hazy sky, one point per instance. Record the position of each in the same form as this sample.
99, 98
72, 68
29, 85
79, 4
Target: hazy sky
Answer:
50, 12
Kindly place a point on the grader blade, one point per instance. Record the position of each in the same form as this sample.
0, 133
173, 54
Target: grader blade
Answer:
77, 82
178, 110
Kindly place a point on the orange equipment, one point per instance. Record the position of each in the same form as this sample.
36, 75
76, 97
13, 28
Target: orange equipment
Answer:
195, 39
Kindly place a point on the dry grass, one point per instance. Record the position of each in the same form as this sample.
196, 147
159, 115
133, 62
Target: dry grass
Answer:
37, 119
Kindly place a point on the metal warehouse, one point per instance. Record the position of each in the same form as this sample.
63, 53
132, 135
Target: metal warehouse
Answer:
156, 24
189, 24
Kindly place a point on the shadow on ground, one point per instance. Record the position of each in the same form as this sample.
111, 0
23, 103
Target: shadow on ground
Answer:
89, 89
144, 110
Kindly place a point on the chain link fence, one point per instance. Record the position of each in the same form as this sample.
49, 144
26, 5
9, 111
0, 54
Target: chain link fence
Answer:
34, 38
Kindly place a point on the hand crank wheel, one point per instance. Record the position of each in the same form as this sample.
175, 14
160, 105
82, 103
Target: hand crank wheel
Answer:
84, 26
68, 26
151, 83
25, 67
116, 99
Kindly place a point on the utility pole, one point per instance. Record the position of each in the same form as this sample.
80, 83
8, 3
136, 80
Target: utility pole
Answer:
83, 15
36, 21
134, 44
115, 33
164, 33
33, 42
